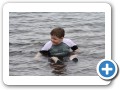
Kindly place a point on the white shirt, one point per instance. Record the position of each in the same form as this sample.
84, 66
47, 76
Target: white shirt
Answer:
48, 45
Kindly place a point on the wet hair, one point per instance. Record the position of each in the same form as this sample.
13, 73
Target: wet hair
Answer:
59, 32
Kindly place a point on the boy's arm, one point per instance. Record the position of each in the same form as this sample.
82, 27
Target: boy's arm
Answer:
74, 54
75, 49
43, 51
40, 53
72, 45
37, 56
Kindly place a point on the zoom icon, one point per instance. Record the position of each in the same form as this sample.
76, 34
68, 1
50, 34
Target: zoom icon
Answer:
107, 69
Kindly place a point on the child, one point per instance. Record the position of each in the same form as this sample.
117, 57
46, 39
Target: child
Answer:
59, 47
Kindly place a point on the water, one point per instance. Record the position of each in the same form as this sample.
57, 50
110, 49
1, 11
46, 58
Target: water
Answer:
29, 31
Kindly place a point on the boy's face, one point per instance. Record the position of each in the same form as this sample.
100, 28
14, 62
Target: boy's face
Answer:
55, 40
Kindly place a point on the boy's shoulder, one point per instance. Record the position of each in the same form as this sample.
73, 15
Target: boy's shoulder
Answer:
69, 42
47, 46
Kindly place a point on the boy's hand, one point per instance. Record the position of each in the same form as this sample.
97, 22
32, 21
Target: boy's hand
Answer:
37, 56
72, 57
55, 59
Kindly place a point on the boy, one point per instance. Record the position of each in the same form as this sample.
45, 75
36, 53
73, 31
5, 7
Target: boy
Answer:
58, 47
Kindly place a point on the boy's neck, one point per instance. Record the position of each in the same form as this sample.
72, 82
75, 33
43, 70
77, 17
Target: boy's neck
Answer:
59, 43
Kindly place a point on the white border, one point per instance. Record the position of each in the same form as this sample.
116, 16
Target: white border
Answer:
54, 7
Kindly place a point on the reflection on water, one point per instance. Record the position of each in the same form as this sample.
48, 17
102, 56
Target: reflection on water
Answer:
58, 69
29, 31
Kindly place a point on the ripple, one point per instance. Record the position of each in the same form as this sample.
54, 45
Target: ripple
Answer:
29, 31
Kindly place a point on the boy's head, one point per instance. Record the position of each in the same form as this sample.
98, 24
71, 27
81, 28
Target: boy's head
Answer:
57, 35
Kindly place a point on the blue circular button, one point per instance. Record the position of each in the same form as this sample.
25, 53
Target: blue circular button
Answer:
107, 69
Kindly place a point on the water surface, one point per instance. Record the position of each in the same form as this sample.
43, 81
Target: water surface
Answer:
29, 31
